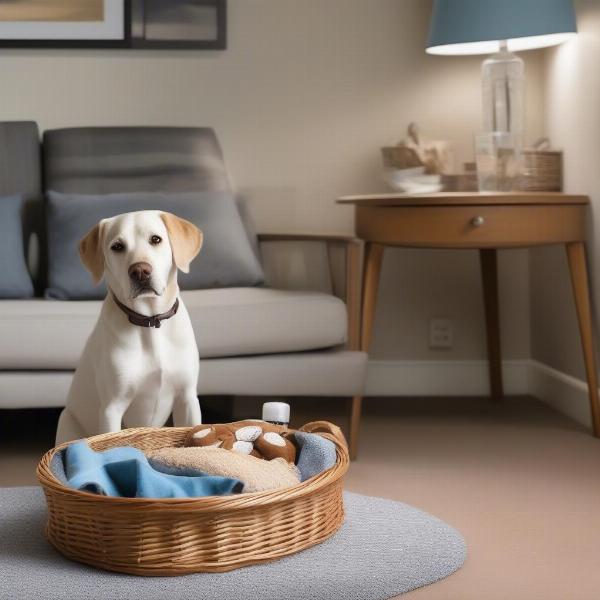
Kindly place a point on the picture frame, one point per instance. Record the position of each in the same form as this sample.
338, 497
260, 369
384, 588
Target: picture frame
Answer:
125, 24
179, 24
51, 26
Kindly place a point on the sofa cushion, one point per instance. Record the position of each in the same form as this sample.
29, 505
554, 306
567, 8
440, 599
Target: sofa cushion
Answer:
227, 258
15, 281
50, 334
20, 175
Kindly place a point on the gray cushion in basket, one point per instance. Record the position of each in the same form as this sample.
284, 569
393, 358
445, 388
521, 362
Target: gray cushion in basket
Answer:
15, 281
316, 454
227, 258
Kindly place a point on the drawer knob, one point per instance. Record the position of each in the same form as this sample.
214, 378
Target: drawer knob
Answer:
477, 221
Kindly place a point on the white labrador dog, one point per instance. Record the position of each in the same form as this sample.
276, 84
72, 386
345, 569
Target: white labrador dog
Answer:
140, 364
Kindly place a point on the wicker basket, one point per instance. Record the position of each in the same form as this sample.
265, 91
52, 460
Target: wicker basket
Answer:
542, 171
400, 157
186, 535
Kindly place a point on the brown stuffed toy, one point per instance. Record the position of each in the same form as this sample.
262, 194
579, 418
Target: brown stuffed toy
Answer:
256, 438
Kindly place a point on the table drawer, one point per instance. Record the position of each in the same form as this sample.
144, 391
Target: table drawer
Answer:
471, 226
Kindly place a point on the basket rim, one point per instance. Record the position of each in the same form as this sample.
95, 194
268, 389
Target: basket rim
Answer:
50, 482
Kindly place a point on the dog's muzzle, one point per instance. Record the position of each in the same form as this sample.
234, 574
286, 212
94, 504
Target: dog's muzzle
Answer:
140, 272
140, 275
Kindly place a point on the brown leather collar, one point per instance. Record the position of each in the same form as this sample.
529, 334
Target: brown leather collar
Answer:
136, 318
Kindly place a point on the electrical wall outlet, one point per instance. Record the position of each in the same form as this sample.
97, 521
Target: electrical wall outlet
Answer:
441, 334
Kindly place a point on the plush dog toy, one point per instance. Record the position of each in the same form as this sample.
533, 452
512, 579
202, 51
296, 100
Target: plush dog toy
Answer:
256, 438
257, 475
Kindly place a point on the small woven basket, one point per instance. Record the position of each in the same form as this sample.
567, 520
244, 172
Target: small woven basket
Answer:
176, 536
542, 171
400, 157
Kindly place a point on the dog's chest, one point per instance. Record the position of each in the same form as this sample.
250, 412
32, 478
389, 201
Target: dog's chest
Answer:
158, 368
160, 363
155, 384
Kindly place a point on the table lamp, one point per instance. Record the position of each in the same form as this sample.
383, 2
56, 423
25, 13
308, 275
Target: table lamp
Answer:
460, 27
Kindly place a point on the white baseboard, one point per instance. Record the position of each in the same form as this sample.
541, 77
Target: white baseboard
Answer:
565, 393
442, 377
470, 378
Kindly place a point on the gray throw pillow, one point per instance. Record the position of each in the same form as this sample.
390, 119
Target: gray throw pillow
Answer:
15, 281
226, 259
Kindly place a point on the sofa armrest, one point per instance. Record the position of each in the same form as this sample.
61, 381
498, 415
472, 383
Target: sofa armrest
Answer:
347, 286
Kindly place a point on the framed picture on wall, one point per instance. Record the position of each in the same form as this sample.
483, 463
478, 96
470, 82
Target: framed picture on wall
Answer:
65, 23
136, 24
179, 24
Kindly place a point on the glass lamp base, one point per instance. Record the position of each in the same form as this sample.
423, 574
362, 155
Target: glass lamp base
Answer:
503, 81
498, 158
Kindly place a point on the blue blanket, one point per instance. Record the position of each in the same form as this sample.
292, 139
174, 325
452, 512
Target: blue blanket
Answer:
125, 472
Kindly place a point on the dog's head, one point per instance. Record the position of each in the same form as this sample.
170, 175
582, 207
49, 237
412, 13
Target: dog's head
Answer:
139, 253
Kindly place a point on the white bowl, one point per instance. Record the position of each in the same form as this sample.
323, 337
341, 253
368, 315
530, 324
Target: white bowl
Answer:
412, 181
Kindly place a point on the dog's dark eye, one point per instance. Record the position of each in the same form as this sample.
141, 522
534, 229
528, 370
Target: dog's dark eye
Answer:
117, 247
155, 239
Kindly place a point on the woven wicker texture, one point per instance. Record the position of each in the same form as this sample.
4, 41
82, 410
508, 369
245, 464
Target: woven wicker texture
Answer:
542, 171
176, 536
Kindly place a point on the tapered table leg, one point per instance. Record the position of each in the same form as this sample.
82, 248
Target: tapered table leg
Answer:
489, 275
355, 410
353, 304
370, 284
372, 270
579, 279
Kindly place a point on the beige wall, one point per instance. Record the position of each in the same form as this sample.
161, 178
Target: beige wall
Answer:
572, 90
302, 100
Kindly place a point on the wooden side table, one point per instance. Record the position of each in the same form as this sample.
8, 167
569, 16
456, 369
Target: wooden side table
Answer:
485, 221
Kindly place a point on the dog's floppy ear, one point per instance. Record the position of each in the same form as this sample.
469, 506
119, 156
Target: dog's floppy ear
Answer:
91, 254
185, 238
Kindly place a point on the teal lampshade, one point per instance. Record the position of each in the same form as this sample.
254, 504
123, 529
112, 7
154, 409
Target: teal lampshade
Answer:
477, 26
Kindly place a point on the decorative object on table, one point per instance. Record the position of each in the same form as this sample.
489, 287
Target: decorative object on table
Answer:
542, 168
461, 27
258, 438
175, 536
462, 182
498, 158
413, 181
256, 474
139, 24
414, 165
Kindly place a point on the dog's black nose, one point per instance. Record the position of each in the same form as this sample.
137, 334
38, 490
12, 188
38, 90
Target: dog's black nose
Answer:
140, 271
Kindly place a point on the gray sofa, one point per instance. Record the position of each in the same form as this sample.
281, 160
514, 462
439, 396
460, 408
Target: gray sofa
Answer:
261, 341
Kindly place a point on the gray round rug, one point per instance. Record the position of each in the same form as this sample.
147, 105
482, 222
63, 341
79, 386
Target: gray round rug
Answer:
385, 548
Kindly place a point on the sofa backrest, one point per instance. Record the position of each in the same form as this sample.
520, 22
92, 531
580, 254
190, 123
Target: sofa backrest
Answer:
104, 160
20, 174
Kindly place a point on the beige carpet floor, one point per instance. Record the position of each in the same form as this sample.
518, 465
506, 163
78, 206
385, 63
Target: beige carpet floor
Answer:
521, 482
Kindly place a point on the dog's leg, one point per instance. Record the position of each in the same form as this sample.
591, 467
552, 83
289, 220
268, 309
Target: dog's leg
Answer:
68, 428
110, 417
186, 409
